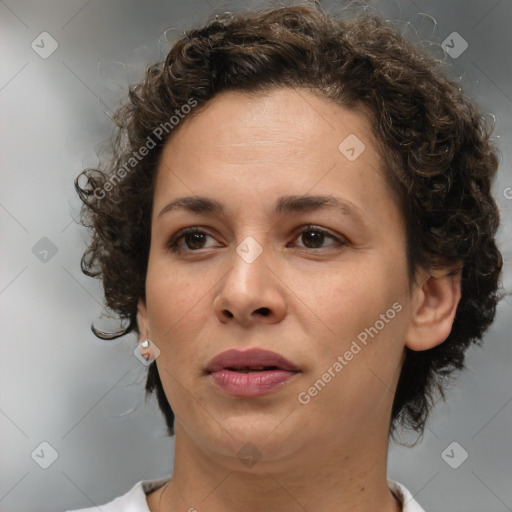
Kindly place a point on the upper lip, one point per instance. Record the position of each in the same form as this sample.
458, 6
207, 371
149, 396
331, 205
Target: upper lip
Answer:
251, 358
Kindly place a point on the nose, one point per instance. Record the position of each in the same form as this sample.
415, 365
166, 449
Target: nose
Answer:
251, 292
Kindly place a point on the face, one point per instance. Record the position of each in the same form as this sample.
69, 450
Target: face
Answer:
323, 285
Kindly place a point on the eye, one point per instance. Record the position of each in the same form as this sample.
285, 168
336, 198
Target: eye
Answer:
314, 236
194, 239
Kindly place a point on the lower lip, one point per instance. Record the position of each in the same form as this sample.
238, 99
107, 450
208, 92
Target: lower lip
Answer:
251, 384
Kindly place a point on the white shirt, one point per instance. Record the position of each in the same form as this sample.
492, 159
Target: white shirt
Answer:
135, 499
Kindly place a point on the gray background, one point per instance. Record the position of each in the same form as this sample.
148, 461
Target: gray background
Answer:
61, 385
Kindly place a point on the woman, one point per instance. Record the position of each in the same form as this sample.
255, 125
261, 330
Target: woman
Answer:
297, 220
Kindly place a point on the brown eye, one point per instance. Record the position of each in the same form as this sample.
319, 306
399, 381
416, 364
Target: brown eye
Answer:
192, 237
313, 237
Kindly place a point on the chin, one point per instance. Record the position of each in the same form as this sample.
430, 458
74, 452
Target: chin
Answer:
256, 441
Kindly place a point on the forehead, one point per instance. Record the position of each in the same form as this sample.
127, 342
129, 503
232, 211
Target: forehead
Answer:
291, 121
253, 147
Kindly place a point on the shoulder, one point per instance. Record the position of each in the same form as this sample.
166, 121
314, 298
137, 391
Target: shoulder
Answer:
132, 501
409, 504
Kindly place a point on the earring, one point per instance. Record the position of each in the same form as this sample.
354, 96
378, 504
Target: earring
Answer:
143, 346
148, 350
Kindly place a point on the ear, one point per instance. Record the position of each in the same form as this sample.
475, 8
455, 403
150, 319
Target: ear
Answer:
142, 320
434, 307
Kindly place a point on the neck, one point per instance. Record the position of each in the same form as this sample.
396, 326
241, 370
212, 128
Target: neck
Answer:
326, 477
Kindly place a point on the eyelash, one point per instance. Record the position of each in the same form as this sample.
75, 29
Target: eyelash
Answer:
173, 243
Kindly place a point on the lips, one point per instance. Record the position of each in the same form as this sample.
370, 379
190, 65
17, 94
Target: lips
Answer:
251, 373
254, 359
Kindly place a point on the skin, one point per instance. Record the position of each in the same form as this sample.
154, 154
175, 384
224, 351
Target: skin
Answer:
330, 454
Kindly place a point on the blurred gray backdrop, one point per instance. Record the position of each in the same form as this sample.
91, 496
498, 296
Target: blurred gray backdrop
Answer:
74, 429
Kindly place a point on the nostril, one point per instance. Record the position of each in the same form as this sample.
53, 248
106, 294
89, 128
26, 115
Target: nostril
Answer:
264, 311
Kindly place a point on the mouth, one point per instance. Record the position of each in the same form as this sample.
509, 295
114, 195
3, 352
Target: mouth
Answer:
250, 369
252, 360
250, 373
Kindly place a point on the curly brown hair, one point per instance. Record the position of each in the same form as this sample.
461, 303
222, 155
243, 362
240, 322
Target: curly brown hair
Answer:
435, 144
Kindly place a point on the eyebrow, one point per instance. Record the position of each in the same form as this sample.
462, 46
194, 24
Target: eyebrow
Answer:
284, 204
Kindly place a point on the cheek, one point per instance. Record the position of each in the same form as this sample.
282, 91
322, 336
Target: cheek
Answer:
368, 314
365, 309
175, 302
360, 292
